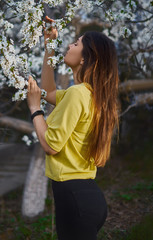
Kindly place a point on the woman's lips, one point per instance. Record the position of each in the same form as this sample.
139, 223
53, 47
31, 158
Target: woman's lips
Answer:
66, 53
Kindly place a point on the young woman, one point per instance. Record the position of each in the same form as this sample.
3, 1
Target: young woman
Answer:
77, 134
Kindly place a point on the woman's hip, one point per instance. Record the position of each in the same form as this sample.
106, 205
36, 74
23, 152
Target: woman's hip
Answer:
81, 198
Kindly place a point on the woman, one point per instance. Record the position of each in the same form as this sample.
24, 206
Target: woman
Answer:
77, 134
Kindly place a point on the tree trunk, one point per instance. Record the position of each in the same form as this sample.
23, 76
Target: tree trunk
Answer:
35, 191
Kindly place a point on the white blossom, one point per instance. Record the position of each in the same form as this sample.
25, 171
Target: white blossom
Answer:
30, 140
63, 69
132, 5
20, 95
43, 104
43, 93
54, 60
5, 24
98, 2
53, 44
32, 25
54, 3
125, 32
26, 139
34, 137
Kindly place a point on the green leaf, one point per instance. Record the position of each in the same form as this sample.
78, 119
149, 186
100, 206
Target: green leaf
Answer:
126, 196
30, 14
12, 69
32, 28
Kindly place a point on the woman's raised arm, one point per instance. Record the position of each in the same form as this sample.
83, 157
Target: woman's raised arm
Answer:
47, 76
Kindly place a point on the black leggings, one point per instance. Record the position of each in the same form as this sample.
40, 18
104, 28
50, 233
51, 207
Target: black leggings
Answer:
80, 208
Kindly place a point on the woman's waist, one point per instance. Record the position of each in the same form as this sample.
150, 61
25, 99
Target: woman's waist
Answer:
76, 184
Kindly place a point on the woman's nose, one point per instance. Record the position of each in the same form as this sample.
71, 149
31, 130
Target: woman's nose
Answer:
70, 45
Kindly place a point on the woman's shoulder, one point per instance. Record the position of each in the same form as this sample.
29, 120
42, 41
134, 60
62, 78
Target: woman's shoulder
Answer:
81, 89
80, 93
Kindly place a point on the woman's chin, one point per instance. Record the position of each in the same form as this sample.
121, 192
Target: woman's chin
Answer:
65, 61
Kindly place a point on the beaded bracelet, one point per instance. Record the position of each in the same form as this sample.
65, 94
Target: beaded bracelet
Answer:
39, 112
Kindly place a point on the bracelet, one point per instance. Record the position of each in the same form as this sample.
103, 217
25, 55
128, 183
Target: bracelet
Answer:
39, 112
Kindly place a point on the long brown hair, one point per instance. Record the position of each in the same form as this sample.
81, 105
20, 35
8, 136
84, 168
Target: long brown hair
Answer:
100, 70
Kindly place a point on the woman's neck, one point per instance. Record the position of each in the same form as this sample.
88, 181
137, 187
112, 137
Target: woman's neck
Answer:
75, 71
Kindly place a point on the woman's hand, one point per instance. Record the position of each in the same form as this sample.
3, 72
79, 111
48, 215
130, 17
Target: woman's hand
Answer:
51, 32
33, 95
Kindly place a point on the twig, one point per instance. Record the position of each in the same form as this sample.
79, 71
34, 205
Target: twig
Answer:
128, 108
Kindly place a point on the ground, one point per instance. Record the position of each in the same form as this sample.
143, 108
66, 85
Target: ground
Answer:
128, 195
129, 199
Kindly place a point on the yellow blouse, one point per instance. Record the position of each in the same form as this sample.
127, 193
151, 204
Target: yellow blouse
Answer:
68, 134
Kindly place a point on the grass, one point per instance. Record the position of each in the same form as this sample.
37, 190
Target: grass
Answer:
141, 158
40, 229
135, 146
14, 227
141, 231
134, 191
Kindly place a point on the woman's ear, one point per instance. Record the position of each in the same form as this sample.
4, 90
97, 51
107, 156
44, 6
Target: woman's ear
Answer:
82, 61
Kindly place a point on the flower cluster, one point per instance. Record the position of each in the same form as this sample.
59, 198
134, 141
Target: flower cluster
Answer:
32, 24
121, 16
61, 24
53, 44
4, 24
125, 32
120, 13
30, 140
53, 3
54, 60
11, 65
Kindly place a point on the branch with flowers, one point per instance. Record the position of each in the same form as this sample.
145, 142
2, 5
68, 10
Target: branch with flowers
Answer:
15, 67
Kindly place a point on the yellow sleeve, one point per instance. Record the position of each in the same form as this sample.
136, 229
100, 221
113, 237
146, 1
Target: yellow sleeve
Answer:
59, 95
66, 116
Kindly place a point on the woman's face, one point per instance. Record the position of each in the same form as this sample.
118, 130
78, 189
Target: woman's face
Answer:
73, 57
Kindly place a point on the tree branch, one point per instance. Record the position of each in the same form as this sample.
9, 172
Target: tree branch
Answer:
140, 21
13, 108
17, 124
139, 99
135, 85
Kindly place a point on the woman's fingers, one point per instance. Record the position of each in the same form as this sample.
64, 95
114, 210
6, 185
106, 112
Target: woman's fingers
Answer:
32, 85
29, 83
50, 32
33, 95
30, 80
49, 20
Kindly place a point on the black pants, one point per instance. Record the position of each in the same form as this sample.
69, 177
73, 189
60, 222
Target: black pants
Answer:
80, 208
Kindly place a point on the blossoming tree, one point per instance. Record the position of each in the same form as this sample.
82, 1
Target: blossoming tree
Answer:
129, 23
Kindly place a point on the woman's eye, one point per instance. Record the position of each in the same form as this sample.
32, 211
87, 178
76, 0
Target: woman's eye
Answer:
75, 44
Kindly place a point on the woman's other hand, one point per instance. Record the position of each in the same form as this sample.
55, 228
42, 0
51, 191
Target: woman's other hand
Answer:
33, 95
50, 32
